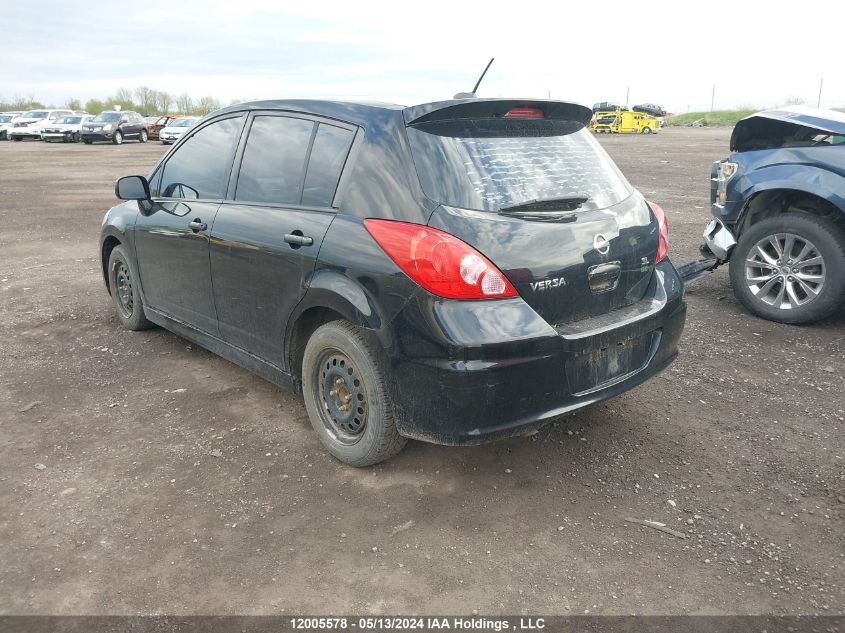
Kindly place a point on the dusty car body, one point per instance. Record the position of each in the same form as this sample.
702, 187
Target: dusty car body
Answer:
156, 124
778, 203
5, 124
67, 129
455, 272
176, 128
30, 124
650, 108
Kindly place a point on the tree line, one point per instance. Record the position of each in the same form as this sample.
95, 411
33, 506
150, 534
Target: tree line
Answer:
143, 100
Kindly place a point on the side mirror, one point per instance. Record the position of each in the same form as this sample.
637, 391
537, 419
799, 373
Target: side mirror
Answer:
132, 188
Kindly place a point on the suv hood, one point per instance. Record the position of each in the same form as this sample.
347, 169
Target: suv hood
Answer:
767, 126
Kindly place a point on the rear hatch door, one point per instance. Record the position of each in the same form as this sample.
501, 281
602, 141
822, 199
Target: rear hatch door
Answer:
537, 195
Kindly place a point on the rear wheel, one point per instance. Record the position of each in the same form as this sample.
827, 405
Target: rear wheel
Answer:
124, 291
17, 139
75, 138
117, 139
346, 395
646, 130
143, 136
87, 141
790, 268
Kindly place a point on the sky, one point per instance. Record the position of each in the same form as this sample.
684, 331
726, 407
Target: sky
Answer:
671, 53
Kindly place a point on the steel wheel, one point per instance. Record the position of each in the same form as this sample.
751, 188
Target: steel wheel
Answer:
785, 271
123, 283
339, 391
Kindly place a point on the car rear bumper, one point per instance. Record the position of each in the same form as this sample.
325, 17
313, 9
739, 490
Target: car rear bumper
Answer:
472, 372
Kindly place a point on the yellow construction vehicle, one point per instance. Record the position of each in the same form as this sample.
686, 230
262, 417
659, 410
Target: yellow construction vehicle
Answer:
622, 121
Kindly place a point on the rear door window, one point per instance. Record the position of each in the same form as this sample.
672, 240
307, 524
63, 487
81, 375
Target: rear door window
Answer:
490, 164
328, 155
273, 164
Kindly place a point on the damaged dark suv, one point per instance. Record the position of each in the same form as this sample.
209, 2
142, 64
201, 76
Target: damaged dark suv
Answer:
454, 272
778, 203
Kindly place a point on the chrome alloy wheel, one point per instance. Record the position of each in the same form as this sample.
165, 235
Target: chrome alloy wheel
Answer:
785, 271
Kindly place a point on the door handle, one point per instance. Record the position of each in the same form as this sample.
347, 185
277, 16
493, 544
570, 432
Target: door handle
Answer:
197, 225
299, 239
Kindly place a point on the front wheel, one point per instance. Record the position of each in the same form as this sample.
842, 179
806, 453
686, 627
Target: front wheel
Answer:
346, 395
17, 139
646, 130
123, 283
117, 139
143, 136
790, 268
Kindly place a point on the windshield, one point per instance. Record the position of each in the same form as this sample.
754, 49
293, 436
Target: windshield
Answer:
70, 119
107, 117
35, 114
492, 164
5, 118
181, 123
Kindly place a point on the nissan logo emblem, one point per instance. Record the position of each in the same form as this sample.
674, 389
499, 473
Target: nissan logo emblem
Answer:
601, 244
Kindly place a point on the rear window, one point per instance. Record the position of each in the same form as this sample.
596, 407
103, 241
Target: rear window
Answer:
490, 164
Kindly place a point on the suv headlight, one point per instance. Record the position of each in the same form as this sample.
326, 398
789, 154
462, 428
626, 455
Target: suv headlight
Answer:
726, 170
107, 128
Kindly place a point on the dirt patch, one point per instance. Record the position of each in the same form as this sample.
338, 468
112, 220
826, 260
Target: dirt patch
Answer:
176, 482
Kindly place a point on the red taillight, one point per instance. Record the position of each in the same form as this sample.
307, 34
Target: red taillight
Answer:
663, 227
440, 262
525, 113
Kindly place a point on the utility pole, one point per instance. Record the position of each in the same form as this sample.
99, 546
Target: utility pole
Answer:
713, 98
627, 96
821, 85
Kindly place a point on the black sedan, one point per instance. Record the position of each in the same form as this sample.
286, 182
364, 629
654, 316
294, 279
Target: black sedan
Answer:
454, 272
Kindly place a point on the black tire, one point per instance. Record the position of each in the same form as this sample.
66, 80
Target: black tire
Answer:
143, 136
824, 235
17, 139
87, 141
117, 139
342, 356
75, 138
4, 136
646, 130
127, 300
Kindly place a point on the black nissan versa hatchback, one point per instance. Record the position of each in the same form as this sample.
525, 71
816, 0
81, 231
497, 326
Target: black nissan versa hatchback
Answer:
454, 272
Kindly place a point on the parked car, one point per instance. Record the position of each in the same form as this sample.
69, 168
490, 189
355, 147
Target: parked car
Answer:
778, 203
455, 272
605, 106
5, 125
30, 124
115, 126
650, 108
67, 129
175, 128
156, 123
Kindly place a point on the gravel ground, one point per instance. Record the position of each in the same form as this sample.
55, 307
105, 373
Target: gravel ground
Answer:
141, 474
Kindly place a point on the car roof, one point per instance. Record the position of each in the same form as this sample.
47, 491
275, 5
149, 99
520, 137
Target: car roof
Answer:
362, 111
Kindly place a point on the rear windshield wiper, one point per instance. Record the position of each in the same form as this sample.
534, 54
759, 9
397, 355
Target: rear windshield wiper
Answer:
547, 209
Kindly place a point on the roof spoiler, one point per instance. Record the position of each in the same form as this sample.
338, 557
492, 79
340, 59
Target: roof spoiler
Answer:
493, 109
